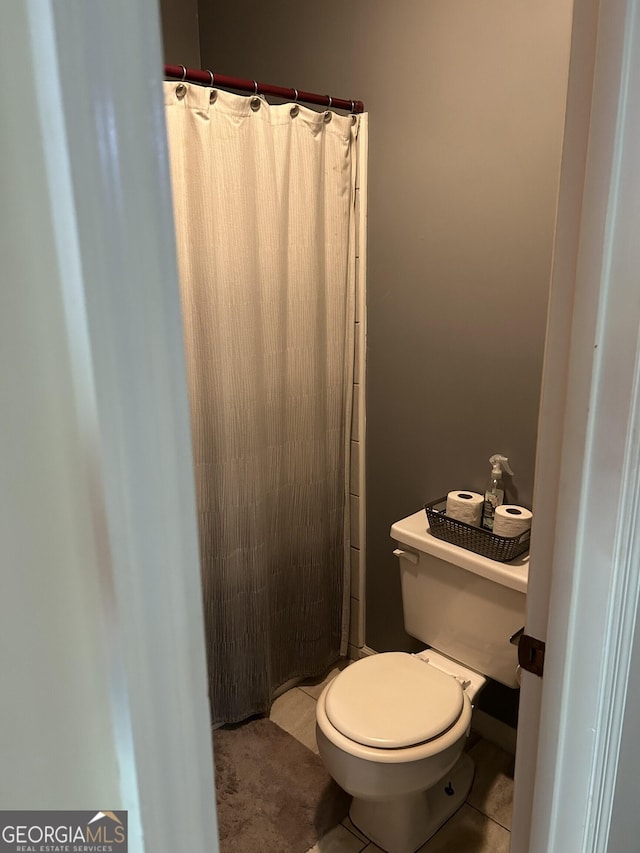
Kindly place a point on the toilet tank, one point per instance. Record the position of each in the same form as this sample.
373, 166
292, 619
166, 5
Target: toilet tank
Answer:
464, 605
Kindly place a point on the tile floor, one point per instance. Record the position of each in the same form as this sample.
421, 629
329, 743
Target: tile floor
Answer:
482, 824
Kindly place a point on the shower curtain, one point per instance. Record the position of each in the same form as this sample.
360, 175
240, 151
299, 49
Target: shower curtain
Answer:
264, 209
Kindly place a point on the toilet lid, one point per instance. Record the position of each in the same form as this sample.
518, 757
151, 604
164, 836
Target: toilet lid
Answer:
393, 700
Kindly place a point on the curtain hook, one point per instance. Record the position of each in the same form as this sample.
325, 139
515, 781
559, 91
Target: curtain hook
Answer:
255, 88
181, 89
353, 107
295, 100
330, 100
212, 75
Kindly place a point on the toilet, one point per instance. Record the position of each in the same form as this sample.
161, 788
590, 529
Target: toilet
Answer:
391, 727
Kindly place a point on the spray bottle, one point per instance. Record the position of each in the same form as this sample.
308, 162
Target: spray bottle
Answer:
494, 495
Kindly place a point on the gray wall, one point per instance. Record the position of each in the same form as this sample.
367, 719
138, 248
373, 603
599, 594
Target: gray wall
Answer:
466, 104
180, 32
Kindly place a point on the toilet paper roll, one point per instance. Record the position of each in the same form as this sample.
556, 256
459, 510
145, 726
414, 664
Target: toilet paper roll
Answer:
511, 520
465, 506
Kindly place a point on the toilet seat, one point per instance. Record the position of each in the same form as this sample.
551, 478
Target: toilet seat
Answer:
393, 700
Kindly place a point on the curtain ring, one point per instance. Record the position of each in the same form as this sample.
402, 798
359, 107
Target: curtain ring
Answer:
184, 73
212, 94
255, 88
353, 107
295, 100
330, 100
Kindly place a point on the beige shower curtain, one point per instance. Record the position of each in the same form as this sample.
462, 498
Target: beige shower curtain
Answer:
264, 210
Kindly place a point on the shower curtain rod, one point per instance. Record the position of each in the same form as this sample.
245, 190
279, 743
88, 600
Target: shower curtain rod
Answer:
208, 78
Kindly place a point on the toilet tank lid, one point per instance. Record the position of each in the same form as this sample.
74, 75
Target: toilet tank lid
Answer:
414, 532
393, 700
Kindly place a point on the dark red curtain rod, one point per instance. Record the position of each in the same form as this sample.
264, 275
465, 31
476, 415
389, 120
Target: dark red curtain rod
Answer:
208, 78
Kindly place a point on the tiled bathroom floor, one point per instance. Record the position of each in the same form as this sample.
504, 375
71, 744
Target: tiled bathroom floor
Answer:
483, 823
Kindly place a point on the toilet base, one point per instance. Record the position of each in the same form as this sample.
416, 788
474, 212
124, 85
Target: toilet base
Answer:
405, 824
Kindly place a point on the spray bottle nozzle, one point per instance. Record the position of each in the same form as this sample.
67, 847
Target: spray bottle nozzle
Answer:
498, 462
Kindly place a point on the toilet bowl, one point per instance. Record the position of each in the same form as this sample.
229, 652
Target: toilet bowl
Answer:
390, 728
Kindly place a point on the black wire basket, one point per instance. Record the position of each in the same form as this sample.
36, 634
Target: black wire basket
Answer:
476, 539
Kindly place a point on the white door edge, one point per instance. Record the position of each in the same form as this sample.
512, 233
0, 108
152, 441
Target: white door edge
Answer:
104, 674
595, 571
553, 397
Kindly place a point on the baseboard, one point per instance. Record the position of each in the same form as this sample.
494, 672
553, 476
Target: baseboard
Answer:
357, 652
494, 730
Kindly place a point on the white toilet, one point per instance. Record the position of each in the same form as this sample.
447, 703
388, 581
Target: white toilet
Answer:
391, 728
